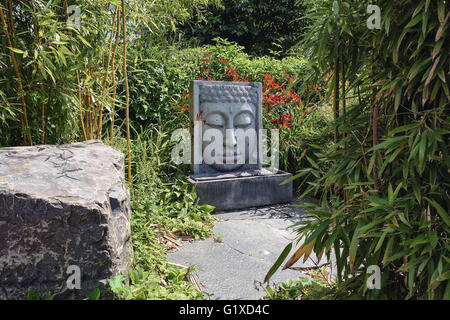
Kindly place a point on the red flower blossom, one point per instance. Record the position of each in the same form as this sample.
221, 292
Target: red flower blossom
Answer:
271, 84
223, 60
292, 79
294, 96
284, 120
232, 73
276, 99
204, 79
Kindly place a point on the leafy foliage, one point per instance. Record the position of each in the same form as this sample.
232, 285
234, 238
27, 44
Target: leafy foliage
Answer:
314, 287
67, 82
32, 295
160, 202
384, 190
149, 286
268, 27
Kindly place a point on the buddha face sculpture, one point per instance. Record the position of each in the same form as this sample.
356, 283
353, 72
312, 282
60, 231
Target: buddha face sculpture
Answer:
231, 117
226, 119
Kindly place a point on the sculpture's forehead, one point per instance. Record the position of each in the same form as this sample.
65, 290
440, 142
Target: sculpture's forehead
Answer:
228, 93
228, 107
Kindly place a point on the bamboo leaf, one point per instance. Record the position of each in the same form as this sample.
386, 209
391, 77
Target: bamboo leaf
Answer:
388, 142
414, 21
439, 210
16, 50
299, 253
422, 147
278, 262
354, 245
296, 176
380, 242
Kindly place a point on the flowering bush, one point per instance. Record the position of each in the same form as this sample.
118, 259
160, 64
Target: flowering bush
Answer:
160, 95
288, 103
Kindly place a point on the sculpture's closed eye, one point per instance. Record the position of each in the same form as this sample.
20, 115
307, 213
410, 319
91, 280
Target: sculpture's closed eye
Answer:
243, 120
215, 120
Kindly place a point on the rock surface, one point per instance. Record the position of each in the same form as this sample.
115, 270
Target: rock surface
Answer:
62, 206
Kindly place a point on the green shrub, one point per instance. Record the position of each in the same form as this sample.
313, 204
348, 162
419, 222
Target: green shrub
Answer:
267, 27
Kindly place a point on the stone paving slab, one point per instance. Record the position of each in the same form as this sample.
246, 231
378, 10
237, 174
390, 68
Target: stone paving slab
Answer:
245, 245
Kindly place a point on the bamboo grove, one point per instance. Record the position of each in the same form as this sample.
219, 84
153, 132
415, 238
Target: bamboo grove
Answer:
63, 65
385, 190
63, 75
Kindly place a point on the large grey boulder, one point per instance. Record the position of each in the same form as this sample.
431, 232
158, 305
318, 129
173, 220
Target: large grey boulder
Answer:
62, 206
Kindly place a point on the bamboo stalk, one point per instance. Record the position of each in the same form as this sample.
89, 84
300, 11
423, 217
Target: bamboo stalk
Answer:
336, 96
374, 143
127, 93
405, 275
100, 124
11, 23
92, 103
374, 131
8, 6
12, 28
346, 192
83, 128
343, 83
25, 127
80, 99
87, 103
87, 115
41, 85
113, 76
91, 115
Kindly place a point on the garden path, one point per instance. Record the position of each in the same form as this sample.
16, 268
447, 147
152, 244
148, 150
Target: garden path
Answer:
246, 243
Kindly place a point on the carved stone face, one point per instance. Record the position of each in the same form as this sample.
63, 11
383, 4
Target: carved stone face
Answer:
227, 118
226, 121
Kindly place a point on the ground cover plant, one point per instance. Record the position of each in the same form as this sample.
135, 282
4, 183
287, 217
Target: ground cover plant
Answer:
314, 285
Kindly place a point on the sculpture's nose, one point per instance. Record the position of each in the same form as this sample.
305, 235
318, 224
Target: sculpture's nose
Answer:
230, 139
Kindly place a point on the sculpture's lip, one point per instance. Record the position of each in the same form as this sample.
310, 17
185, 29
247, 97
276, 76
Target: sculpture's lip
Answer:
230, 159
225, 155
233, 157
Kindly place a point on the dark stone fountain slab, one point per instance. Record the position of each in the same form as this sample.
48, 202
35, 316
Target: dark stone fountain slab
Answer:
243, 192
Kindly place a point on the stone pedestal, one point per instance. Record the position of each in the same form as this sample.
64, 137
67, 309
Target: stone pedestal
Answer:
62, 206
243, 192
227, 148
